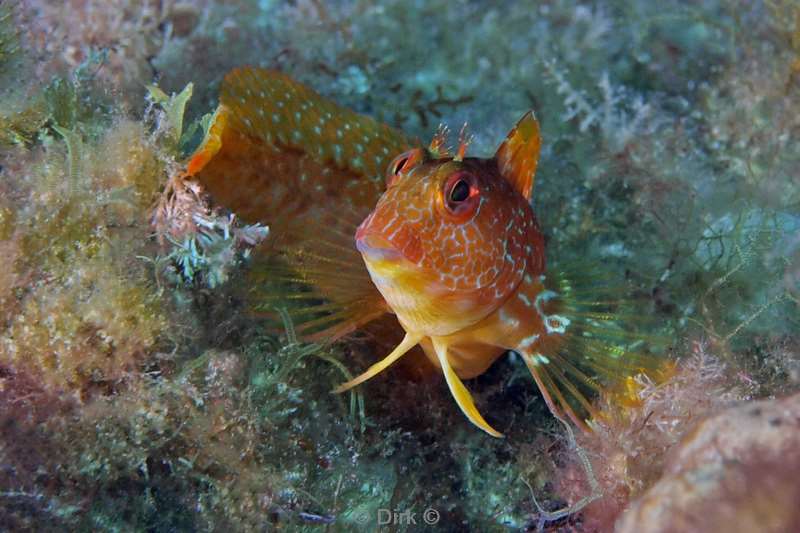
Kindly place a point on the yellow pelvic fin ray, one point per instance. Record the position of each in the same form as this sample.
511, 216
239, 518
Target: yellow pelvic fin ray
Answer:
460, 393
408, 342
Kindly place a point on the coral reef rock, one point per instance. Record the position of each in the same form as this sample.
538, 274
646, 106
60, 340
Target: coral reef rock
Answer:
736, 472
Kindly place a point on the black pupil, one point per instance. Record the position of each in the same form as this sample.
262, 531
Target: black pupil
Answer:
400, 164
460, 191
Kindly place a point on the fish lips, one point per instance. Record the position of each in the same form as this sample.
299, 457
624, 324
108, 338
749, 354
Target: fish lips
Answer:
392, 241
374, 247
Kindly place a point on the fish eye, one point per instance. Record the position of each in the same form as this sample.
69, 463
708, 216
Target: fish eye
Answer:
460, 191
401, 163
461, 194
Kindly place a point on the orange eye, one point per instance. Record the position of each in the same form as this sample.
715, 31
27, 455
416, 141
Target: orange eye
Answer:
461, 195
402, 163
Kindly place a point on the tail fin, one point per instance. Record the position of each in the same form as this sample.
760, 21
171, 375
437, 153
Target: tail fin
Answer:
279, 153
606, 340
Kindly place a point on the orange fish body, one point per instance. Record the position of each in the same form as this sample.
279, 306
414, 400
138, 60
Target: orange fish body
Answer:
454, 248
451, 247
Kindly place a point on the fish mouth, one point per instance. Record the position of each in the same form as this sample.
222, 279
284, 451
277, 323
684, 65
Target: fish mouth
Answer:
394, 240
376, 248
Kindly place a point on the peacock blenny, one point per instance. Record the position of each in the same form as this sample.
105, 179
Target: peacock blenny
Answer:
368, 223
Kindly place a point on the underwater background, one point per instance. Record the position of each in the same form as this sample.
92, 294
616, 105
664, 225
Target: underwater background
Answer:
140, 391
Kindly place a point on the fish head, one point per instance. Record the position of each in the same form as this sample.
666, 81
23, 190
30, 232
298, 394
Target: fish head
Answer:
451, 237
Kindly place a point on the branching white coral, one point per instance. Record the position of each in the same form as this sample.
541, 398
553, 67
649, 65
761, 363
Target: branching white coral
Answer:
205, 243
620, 115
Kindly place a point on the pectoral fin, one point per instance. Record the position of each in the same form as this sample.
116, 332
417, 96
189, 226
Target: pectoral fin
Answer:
460, 393
408, 342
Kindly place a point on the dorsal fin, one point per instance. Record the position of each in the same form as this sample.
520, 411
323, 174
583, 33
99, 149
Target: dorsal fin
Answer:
280, 154
518, 156
276, 147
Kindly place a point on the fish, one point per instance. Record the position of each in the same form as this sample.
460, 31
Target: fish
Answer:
373, 227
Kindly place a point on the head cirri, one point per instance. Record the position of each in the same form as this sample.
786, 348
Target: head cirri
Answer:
452, 236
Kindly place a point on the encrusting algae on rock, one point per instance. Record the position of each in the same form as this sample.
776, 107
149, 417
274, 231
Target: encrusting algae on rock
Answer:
81, 316
451, 245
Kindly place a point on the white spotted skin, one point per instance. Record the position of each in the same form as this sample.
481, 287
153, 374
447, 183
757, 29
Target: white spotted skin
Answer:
469, 284
455, 272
